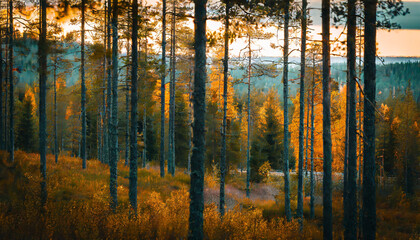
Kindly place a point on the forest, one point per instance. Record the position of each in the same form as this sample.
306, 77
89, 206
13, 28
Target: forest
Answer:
206, 119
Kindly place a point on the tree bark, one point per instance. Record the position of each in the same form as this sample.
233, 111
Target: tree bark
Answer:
133, 129
286, 112
171, 135
107, 138
301, 114
55, 110
312, 204
225, 86
248, 154
199, 98
1, 94
127, 108
83, 90
114, 110
11, 87
42, 53
350, 231
162, 93
369, 197
326, 103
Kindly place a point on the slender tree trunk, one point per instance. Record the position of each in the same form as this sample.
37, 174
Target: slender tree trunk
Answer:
248, 154
307, 137
312, 205
162, 93
114, 110
369, 197
359, 187
301, 114
145, 138
103, 115
1, 93
82, 73
42, 52
286, 113
11, 86
127, 108
6, 101
55, 111
171, 135
225, 86
107, 138
190, 121
326, 103
351, 208
199, 98
145, 159
133, 129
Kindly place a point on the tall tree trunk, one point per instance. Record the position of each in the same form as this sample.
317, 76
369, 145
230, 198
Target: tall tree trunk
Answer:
346, 154
307, 136
301, 113
145, 105
6, 101
225, 86
82, 73
248, 154
107, 139
1, 94
171, 135
326, 120
55, 110
127, 108
144, 138
103, 115
162, 93
11, 86
42, 53
199, 98
114, 110
369, 198
286, 112
190, 121
312, 204
351, 208
133, 129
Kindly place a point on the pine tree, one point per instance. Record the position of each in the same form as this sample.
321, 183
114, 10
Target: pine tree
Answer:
11, 86
286, 111
369, 197
25, 131
162, 93
350, 208
199, 98
326, 104
42, 52
83, 87
114, 110
133, 129
302, 113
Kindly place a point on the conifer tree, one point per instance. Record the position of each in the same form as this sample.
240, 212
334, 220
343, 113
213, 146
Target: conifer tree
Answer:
199, 98
42, 52
326, 104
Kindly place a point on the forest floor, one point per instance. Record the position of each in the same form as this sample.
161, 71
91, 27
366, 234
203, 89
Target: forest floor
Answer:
78, 205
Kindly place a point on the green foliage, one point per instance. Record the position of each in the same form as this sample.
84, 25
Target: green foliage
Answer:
182, 130
25, 128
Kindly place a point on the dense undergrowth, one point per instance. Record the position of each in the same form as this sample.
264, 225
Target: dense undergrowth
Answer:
78, 207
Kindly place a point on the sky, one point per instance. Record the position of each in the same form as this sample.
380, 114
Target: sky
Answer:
401, 42
391, 43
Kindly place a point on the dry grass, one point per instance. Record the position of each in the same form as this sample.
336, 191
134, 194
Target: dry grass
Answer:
78, 207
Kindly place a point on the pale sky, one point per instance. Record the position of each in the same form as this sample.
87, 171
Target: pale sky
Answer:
402, 42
